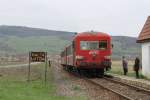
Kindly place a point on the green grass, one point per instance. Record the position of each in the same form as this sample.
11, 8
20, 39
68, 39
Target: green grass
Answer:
117, 69
14, 88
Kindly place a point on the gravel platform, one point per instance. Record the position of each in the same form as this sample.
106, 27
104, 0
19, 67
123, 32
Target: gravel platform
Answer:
69, 85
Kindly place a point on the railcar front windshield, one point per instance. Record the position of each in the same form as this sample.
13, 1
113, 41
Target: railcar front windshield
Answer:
89, 45
93, 45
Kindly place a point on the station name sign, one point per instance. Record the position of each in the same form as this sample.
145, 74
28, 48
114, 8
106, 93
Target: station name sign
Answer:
37, 56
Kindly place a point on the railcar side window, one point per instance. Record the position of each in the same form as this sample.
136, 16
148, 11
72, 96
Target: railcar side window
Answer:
103, 45
89, 45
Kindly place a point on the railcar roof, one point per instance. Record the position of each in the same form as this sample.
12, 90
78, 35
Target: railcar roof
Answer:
89, 34
92, 34
86, 34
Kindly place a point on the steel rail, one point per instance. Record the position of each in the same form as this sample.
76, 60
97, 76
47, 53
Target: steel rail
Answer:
129, 85
97, 84
124, 97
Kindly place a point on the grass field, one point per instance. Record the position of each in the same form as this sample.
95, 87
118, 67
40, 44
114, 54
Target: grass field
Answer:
14, 85
117, 69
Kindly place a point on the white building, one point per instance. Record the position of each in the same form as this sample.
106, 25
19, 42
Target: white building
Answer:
144, 39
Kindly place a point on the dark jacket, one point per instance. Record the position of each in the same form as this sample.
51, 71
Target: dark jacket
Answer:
125, 64
137, 64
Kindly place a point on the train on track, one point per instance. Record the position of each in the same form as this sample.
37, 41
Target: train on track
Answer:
90, 52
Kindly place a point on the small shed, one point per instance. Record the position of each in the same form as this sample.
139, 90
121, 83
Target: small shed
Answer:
144, 39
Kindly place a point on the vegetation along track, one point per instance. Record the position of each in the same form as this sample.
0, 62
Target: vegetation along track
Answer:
125, 91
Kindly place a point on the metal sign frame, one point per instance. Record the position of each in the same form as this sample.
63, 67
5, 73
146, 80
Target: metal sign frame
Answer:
37, 57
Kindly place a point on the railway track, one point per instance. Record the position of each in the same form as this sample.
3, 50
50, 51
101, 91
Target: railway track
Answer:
123, 90
121, 96
137, 88
108, 89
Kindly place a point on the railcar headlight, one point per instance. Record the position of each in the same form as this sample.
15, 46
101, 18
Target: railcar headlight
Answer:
79, 57
107, 57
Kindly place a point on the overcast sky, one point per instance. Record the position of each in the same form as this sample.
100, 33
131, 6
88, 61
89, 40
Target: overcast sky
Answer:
116, 17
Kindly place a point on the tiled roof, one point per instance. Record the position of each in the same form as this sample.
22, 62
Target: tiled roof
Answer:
145, 33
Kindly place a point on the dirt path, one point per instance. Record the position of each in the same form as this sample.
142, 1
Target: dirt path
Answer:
19, 65
65, 83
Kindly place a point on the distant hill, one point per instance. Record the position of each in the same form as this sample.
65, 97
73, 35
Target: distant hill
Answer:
19, 39
22, 31
125, 46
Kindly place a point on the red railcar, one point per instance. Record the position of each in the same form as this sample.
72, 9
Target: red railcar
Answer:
88, 51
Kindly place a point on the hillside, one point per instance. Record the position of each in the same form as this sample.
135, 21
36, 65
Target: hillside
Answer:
21, 31
124, 45
18, 40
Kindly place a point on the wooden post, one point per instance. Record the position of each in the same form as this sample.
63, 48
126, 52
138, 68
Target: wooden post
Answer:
49, 63
29, 67
45, 67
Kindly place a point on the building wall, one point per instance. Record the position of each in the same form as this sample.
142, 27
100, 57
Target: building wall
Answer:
146, 59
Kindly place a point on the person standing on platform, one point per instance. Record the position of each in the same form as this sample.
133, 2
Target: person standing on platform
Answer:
124, 65
137, 66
